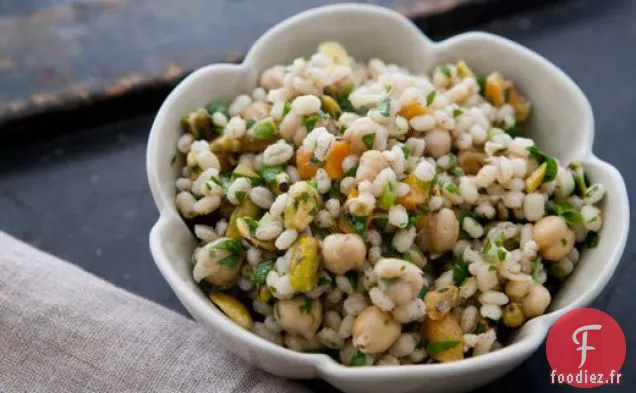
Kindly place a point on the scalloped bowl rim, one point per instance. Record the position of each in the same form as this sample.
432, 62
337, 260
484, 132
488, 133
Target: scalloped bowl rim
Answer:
536, 328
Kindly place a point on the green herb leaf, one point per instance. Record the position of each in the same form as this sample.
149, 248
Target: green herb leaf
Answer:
388, 197
310, 122
353, 279
260, 271
406, 151
457, 112
514, 131
269, 173
306, 308
579, 178
481, 328
173, 159
551, 163
385, 107
218, 106
445, 70
263, 129
240, 195
452, 188
435, 348
234, 249
481, 81
568, 212
423, 292
249, 123
380, 223
501, 254
430, 98
389, 282
358, 359
359, 224
324, 280
252, 224
460, 270
592, 239
351, 172
368, 140
537, 267
286, 109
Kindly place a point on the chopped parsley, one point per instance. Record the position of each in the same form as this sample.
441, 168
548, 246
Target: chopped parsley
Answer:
445, 70
430, 98
269, 173
324, 280
358, 359
390, 281
591, 241
286, 109
481, 81
568, 212
218, 106
551, 164
423, 292
240, 195
385, 107
233, 247
435, 348
306, 308
460, 270
260, 271
368, 140
359, 224
457, 112
310, 122
406, 151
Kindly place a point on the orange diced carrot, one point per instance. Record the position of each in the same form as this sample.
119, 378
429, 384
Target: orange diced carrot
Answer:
333, 165
412, 110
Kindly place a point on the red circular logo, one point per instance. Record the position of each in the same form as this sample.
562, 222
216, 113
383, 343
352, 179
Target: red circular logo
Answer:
586, 348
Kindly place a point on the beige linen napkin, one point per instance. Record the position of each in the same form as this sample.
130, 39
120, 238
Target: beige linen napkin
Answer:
65, 330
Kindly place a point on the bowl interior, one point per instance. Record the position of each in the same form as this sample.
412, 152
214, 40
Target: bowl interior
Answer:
561, 123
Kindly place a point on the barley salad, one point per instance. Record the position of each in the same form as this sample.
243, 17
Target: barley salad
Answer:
380, 216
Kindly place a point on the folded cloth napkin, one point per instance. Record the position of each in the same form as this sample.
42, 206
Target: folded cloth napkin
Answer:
65, 330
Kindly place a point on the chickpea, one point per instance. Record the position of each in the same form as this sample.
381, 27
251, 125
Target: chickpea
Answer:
257, 111
517, 290
445, 329
375, 331
292, 315
358, 129
372, 162
343, 252
536, 302
440, 301
471, 161
554, 238
442, 230
402, 281
218, 265
438, 142
513, 316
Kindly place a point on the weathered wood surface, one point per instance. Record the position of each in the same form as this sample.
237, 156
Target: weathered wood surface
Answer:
62, 54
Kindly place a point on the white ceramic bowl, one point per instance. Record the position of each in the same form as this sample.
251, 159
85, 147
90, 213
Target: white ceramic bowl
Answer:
562, 123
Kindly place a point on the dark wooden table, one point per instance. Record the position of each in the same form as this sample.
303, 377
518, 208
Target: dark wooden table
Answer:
84, 196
